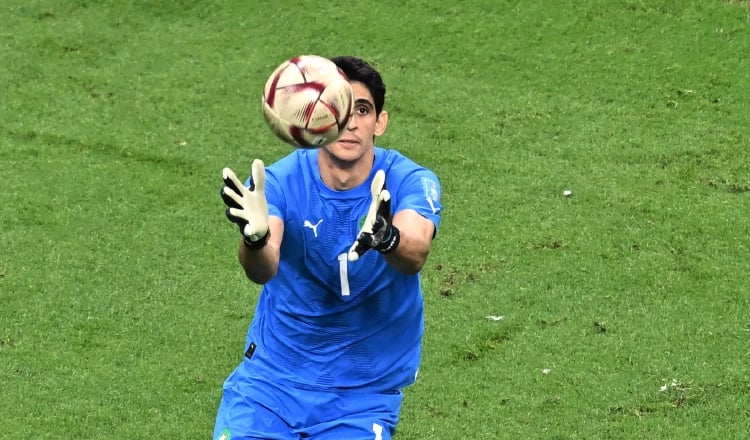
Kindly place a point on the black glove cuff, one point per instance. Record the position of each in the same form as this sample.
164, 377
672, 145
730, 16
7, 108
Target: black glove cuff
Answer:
258, 244
390, 243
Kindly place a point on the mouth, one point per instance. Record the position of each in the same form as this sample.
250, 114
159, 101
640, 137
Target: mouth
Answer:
348, 142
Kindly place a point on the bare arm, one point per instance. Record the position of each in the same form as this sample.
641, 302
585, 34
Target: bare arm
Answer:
416, 234
261, 265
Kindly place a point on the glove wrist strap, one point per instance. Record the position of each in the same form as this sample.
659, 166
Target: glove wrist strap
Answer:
257, 244
390, 243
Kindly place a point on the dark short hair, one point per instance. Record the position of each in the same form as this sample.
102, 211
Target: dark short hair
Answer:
357, 69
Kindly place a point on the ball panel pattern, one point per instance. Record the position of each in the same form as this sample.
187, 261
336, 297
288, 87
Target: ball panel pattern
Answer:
308, 101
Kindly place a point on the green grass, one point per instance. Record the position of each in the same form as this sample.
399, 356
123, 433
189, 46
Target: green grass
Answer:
122, 307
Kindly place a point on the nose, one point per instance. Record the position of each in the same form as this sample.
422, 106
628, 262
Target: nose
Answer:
352, 124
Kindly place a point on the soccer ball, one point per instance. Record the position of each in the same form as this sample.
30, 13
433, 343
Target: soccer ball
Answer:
308, 101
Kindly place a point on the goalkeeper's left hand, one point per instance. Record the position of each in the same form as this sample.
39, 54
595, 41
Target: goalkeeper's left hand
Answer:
377, 231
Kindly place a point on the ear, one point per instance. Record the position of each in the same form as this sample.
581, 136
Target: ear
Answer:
381, 123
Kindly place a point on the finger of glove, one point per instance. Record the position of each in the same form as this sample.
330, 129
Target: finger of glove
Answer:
378, 195
377, 184
231, 214
238, 215
253, 233
250, 229
258, 173
378, 226
372, 214
232, 182
231, 198
384, 207
364, 240
254, 226
359, 247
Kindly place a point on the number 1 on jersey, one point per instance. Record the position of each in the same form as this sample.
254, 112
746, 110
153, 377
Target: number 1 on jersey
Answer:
344, 273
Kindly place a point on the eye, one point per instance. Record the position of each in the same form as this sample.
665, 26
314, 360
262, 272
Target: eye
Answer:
361, 110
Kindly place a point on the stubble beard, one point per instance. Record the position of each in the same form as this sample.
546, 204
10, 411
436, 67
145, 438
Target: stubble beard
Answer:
343, 163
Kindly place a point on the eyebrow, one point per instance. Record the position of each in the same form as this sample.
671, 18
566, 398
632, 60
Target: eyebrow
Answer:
363, 101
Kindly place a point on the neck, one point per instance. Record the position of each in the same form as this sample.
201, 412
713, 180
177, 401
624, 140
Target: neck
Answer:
342, 175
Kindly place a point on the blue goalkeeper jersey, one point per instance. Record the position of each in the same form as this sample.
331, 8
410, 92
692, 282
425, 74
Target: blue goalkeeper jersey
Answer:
323, 322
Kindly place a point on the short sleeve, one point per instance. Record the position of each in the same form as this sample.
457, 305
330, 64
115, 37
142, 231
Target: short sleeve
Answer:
420, 191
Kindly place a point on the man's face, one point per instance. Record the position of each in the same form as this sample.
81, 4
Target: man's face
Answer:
358, 138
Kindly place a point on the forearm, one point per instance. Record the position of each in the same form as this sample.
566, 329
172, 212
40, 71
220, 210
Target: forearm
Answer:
414, 243
260, 265
410, 255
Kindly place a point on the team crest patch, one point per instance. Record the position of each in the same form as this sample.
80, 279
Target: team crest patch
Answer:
225, 435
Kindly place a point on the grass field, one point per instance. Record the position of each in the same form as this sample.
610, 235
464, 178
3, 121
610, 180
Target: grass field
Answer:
622, 311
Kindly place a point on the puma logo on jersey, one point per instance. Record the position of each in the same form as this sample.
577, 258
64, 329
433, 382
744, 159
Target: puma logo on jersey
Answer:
314, 227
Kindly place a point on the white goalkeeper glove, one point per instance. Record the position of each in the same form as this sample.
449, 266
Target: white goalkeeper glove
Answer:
247, 207
377, 231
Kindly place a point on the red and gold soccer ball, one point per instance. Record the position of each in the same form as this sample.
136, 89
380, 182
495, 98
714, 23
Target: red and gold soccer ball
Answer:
308, 101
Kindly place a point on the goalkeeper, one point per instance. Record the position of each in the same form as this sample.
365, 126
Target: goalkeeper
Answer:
337, 236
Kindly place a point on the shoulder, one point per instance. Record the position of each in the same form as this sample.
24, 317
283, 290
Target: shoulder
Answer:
399, 167
297, 167
289, 164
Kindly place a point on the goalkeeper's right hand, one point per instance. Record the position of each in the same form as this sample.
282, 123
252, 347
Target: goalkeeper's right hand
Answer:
247, 207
